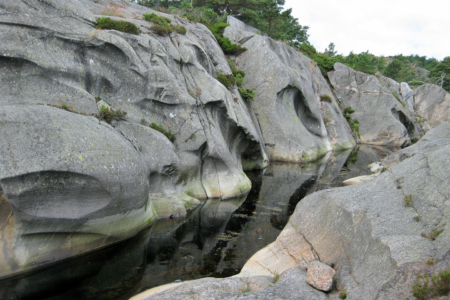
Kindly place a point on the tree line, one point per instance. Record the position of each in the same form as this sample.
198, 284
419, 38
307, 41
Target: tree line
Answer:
270, 17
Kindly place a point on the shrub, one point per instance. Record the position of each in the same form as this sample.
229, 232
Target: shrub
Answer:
154, 18
348, 111
178, 29
227, 46
160, 30
247, 94
144, 122
97, 99
325, 98
440, 285
239, 79
226, 80
124, 26
109, 115
159, 128
64, 106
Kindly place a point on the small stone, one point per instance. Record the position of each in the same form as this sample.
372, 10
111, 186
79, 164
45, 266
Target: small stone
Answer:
320, 276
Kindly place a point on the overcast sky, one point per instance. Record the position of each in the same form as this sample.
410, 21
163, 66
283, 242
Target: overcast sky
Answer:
384, 27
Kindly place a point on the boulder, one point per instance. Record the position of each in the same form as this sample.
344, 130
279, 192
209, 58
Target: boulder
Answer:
433, 104
299, 118
71, 183
383, 120
320, 276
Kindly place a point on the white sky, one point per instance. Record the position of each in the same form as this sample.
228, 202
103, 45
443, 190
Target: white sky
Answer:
384, 27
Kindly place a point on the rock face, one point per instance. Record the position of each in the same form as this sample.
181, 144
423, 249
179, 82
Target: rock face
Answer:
433, 103
289, 108
73, 183
378, 235
382, 118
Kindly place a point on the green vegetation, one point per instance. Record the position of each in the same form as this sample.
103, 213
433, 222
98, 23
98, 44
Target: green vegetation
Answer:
154, 18
161, 30
247, 94
159, 128
430, 262
227, 46
226, 80
124, 26
343, 294
144, 122
433, 234
178, 29
439, 285
416, 218
97, 99
352, 122
64, 106
108, 115
276, 278
408, 200
325, 98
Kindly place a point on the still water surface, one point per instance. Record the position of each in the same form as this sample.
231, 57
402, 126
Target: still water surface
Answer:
214, 240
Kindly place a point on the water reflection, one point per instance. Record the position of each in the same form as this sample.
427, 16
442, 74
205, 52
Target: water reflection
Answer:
216, 239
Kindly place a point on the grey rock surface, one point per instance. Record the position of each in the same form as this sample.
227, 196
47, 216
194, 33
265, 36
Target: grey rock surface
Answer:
288, 106
320, 276
377, 240
83, 176
433, 103
382, 118
407, 95
67, 178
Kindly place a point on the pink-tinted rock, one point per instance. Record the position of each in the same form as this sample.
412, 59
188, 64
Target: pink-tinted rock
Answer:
320, 276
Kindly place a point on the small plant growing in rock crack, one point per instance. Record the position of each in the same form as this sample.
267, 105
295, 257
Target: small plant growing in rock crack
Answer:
408, 200
433, 234
247, 94
167, 133
352, 122
108, 115
276, 278
343, 294
226, 80
428, 287
64, 106
192, 136
430, 262
97, 99
325, 98
416, 218
246, 291
144, 122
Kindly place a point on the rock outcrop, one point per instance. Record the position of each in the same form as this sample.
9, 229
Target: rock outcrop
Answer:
66, 174
383, 120
433, 104
378, 236
298, 115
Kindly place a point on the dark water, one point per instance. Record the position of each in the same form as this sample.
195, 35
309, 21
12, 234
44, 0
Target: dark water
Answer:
214, 240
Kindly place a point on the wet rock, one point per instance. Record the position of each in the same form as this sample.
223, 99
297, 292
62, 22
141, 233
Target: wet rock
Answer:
320, 276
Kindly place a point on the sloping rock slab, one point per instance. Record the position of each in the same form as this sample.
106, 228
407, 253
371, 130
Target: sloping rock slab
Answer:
382, 118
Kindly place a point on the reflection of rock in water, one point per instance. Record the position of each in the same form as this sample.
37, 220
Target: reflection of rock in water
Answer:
106, 274
215, 239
